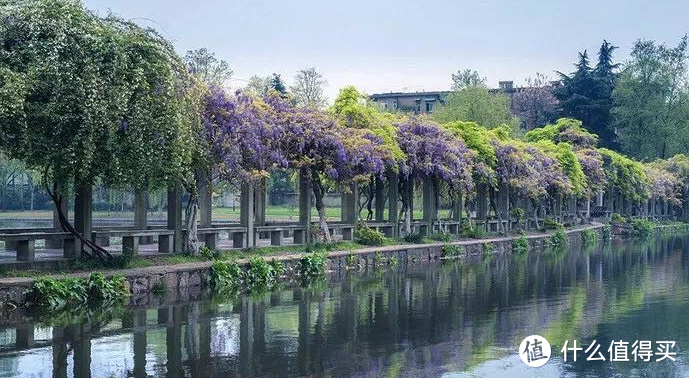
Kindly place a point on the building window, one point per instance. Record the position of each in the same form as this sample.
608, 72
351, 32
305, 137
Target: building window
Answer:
429, 107
394, 105
417, 107
384, 105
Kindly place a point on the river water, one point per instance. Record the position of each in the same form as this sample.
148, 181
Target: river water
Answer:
451, 319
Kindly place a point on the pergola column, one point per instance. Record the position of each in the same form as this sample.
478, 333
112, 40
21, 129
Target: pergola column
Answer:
205, 200
246, 213
55, 243
393, 201
482, 203
83, 211
304, 207
140, 343
380, 199
174, 215
349, 204
141, 213
260, 195
429, 206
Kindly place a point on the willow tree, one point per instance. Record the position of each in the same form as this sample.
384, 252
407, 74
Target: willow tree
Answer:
85, 99
433, 154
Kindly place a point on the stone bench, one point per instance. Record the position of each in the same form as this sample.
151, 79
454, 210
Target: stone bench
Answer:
131, 239
25, 243
384, 228
211, 235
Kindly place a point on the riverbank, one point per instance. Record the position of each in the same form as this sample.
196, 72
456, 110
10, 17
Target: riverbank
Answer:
174, 278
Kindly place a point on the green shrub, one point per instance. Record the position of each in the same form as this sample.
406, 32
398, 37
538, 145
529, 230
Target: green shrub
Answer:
56, 294
313, 265
352, 261
278, 268
368, 236
607, 232
441, 237
520, 245
559, 238
415, 238
451, 250
551, 224
393, 261
642, 228
159, 288
487, 248
618, 218
208, 254
226, 275
518, 214
260, 272
469, 231
589, 237
378, 259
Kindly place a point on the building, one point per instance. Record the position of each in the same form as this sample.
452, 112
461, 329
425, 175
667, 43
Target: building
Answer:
408, 102
534, 105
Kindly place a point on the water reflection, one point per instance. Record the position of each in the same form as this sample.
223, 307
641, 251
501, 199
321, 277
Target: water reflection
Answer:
422, 320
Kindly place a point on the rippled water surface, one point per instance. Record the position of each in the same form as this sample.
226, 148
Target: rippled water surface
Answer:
418, 320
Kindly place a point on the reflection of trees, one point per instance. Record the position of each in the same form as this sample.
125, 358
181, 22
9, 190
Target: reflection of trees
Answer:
421, 321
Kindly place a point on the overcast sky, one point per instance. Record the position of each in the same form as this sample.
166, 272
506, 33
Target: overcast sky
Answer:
403, 45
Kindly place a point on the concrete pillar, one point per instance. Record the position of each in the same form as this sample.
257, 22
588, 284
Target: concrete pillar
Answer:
481, 201
205, 201
429, 205
393, 201
141, 214
246, 213
380, 199
83, 211
260, 193
350, 204
174, 215
24, 338
59, 352
599, 198
82, 351
305, 204
503, 204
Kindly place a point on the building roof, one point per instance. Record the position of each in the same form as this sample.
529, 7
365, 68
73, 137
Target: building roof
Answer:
409, 94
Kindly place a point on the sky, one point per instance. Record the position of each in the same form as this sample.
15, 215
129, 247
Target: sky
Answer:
385, 46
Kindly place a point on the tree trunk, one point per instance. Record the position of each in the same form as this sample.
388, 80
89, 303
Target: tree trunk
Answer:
57, 199
192, 245
369, 201
318, 193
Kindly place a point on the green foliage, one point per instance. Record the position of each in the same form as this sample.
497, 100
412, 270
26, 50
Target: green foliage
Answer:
589, 237
642, 228
415, 238
352, 261
451, 250
313, 265
477, 104
468, 230
441, 237
487, 248
607, 232
568, 162
85, 97
519, 215
559, 238
520, 245
625, 175
209, 254
368, 236
650, 101
159, 288
618, 218
551, 224
259, 272
477, 138
226, 275
57, 294
378, 258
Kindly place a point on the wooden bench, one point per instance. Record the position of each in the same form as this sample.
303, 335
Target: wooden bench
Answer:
25, 243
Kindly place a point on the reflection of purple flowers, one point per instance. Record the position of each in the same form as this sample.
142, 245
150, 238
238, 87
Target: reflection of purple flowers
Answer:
433, 152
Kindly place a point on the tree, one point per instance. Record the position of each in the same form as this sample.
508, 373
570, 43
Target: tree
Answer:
207, 67
258, 86
651, 107
275, 83
535, 104
85, 99
308, 88
467, 78
479, 105
586, 94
